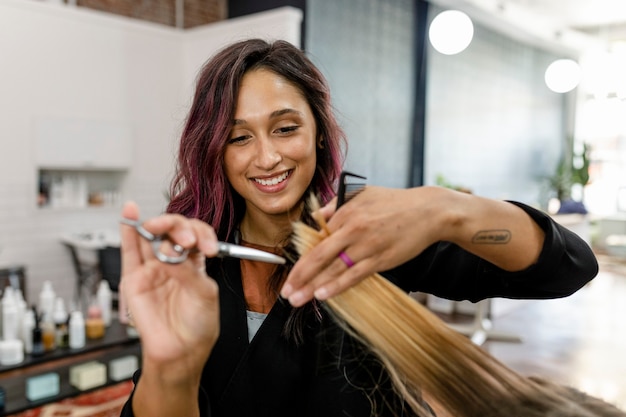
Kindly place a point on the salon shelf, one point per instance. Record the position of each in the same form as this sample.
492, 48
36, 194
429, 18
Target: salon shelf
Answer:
69, 188
115, 344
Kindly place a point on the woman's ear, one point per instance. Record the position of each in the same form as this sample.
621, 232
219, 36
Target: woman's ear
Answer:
320, 142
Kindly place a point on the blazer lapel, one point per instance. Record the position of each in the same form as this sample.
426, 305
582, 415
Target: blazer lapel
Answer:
270, 370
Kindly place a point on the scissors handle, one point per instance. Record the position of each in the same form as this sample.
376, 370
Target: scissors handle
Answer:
181, 253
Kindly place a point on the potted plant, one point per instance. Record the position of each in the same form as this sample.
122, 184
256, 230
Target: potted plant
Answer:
569, 172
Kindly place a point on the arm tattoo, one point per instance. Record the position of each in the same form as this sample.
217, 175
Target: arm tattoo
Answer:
494, 237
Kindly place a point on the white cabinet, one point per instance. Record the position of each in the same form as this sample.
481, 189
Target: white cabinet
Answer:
82, 144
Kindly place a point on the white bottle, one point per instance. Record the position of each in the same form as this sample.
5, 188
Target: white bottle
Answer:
22, 307
77, 330
10, 328
46, 299
105, 301
59, 317
28, 325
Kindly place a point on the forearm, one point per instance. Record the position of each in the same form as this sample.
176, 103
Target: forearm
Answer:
497, 231
157, 394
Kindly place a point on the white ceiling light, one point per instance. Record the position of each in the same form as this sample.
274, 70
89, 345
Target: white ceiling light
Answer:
451, 32
563, 75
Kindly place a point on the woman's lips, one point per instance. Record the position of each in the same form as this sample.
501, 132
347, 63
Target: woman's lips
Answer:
274, 184
272, 181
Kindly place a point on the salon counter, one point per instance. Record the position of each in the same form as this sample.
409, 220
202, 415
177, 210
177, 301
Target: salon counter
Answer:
117, 345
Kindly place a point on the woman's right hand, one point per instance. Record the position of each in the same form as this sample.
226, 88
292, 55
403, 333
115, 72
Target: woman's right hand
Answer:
175, 308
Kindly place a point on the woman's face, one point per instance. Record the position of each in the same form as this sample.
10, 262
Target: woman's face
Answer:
270, 156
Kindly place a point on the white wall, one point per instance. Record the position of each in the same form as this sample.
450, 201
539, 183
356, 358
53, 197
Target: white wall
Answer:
492, 125
60, 62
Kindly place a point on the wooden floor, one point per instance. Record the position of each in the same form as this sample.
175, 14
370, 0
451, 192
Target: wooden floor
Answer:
578, 341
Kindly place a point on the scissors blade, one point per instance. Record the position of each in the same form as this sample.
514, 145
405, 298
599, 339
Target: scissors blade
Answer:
242, 252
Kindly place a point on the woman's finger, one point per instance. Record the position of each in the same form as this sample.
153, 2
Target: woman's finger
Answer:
336, 278
329, 209
178, 229
309, 267
130, 240
206, 237
350, 277
305, 292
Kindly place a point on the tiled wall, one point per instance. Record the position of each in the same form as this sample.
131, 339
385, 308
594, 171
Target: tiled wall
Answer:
370, 70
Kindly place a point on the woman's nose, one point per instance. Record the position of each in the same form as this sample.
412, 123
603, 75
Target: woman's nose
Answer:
268, 155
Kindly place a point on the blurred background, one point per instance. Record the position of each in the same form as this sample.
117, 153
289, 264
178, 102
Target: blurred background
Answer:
94, 93
509, 99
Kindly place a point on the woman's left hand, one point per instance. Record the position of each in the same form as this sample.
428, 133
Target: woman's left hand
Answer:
382, 228
377, 230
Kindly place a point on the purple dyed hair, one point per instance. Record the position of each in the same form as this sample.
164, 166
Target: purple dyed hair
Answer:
200, 188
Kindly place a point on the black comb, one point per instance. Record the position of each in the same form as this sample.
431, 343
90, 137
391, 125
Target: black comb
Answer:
347, 190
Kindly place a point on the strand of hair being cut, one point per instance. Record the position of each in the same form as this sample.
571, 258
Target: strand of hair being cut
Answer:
421, 353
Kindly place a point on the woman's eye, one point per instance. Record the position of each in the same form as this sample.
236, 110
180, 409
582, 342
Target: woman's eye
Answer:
287, 129
238, 139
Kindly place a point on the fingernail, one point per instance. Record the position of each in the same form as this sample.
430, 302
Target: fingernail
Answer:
286, 291
187, 238
321, 293
210, 246
296, 299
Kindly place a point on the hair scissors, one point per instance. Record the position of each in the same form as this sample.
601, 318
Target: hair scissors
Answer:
170, 253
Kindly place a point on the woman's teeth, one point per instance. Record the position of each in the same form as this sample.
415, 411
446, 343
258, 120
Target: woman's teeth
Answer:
273, 181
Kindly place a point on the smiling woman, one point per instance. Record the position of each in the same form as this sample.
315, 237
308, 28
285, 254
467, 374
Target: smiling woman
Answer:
217, 337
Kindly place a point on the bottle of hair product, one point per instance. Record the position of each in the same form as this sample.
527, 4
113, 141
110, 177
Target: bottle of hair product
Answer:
94, 325
22, 309
48, 333
10, 328
77, 330
38, 347
46, 299
60, 317
28, 326
104, 298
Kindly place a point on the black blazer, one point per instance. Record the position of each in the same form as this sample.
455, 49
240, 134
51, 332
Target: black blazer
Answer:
327, 375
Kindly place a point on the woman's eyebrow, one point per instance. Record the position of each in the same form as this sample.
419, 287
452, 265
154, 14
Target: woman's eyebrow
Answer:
279, 113
273, 115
